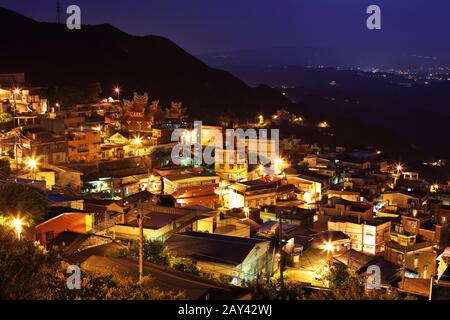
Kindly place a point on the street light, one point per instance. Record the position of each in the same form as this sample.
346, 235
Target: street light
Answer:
117, 91
17, 223
33, 164
137, 141
328, 247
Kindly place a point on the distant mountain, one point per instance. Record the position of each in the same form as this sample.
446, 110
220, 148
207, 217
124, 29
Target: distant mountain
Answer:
50, 54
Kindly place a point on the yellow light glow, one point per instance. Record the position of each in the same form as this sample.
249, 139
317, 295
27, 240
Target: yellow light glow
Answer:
116, 89
32, 163
98, 128
17, 91
328, 247
17, 223
323, 124
137, 141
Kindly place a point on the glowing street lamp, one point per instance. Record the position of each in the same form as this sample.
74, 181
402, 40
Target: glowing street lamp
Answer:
137, 142
117, 91
17, 223
33, 164
328, 247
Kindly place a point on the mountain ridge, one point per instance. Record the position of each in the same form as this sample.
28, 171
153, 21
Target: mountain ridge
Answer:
54, 55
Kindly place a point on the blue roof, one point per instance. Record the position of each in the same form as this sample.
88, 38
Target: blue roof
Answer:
54, 197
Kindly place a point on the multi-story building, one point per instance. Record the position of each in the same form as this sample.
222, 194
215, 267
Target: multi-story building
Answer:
368, 237
84, 145
230, 165
251, 194
411, 252
45, 146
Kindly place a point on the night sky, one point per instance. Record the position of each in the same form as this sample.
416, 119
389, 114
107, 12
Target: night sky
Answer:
203, 26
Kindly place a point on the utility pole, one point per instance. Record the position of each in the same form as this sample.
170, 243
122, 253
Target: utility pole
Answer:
280, 243
14, 130
141, 241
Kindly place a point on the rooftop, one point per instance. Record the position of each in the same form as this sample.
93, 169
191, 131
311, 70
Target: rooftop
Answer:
212, 247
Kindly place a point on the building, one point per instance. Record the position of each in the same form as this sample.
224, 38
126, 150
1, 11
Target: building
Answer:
403, 199
349, 195
61, 219
160, 223
177, 182
235, 170
238, 259
368, 237
45, 146
311, 184
337, 207
84, 145
291, 215
409, 251
251, 194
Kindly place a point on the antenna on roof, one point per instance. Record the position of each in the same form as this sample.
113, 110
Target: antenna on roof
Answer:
58, 12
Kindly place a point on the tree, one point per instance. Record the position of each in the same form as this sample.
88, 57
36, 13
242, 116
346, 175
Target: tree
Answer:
30, 272
272, 290
157, 252
5, 118
348, 286
26, 201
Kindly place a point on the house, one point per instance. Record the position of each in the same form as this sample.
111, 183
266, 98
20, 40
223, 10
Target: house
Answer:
235, 170
336, 207
192, 189
409, 251
335, 242
240, 259
159, 222
41, 174
62, 219
310, 183
368, 237
403, 199
84, 145
349, 195
251, 194
43, 145
291, 215
173, 183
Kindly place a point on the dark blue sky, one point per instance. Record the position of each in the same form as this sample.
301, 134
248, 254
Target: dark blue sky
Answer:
201, 26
